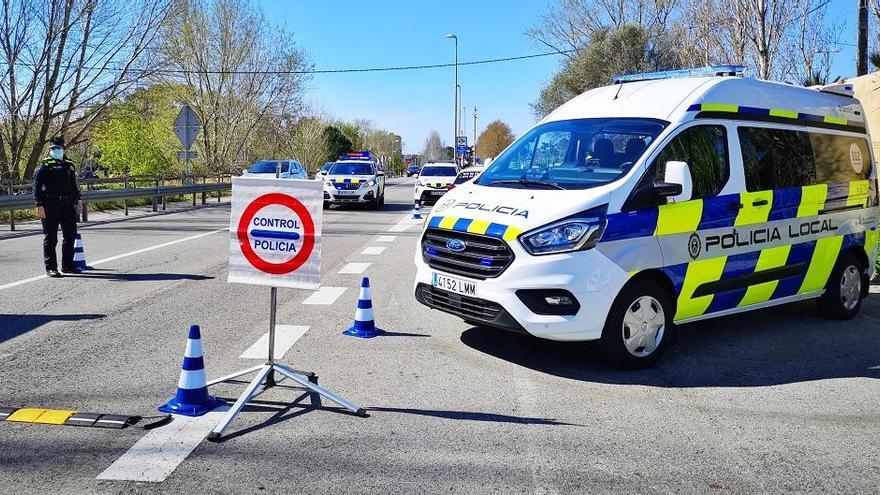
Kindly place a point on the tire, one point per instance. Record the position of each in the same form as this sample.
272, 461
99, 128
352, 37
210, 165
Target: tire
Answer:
326, 205
382, 200
845, 289
618, 343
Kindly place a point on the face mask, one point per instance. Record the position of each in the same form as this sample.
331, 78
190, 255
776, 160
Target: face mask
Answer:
56, 153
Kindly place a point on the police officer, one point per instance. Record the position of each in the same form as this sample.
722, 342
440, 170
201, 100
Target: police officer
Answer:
58, 202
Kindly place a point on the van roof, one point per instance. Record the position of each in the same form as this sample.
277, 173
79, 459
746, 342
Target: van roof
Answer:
680, 99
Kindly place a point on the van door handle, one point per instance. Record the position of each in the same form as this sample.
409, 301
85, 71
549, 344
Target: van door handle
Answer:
760, 202
734, 207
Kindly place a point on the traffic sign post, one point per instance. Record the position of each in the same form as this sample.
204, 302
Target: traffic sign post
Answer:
186, 128
275, 240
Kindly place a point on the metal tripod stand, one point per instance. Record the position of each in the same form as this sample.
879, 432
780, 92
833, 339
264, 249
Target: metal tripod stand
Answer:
265, 379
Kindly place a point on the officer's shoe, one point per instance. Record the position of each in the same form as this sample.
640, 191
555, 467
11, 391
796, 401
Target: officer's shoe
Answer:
71, 270
53, 273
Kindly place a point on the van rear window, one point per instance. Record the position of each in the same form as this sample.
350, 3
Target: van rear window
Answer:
780, 158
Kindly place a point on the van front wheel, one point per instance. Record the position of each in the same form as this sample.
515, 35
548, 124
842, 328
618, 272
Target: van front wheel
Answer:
843, 293
638, 326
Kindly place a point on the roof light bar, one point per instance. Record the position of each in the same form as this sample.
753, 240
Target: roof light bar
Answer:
710, 71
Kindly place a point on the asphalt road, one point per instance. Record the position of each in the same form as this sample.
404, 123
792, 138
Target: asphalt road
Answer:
775, 401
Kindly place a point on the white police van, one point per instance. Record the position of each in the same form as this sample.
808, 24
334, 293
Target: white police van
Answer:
434, 180
355, 179
665, 198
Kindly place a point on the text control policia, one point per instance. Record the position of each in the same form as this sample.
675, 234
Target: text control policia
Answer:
665, 198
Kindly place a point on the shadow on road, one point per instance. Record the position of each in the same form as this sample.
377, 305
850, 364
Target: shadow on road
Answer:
786, 344
142, 277
12, 326
472, 416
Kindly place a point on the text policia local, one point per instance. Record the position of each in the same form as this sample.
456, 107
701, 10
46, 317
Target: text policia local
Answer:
275, 240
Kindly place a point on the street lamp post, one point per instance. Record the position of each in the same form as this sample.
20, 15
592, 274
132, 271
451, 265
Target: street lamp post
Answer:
455, 91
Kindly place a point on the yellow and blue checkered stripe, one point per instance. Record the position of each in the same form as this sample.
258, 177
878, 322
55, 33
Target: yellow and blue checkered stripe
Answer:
436, 185
775, 113
470, 226
348, 181
818, 256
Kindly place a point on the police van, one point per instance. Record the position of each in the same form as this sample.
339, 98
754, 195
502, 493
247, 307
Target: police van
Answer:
663, 199
355, 179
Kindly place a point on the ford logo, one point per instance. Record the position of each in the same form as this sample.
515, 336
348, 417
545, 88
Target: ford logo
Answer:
456, 245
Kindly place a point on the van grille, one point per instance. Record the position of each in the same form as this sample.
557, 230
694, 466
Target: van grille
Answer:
483, 257
470, 308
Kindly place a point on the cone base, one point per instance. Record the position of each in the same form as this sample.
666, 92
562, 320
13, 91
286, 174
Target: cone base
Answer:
175, 407
354, 332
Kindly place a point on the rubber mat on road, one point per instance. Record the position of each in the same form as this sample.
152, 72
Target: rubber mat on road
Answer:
73, 418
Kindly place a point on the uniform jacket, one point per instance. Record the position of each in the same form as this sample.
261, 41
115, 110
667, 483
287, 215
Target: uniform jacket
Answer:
55, 178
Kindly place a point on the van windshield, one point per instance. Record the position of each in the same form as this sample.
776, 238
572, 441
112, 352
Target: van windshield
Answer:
573, 154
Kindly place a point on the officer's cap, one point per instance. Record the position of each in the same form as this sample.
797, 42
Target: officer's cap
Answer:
56, 142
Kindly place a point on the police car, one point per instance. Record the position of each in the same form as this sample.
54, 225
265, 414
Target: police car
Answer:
355, 179
434, 179
663, 199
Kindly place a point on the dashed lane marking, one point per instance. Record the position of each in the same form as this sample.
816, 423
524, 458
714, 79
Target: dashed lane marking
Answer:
373, 250
386, 238
158, 453
285, 337
119, 256
325, 295
354, 268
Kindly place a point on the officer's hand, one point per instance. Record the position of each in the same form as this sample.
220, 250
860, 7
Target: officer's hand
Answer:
79, 207
41, 212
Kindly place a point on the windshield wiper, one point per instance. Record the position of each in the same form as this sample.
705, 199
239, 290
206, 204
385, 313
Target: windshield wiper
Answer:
528, 182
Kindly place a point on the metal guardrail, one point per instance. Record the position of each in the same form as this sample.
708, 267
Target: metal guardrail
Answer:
22, 198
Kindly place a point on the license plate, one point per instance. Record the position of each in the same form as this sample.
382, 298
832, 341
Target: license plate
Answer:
456, 285
438, 193
346, 193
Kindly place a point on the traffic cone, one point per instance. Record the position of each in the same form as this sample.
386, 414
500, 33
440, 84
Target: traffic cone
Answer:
364, 326
79, 254
417, 210
192, 397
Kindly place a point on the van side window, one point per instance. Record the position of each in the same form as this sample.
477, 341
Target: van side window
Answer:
704, 149
840, 159
776, 158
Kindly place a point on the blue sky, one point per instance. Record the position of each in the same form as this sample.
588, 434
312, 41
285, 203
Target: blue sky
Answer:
341, 34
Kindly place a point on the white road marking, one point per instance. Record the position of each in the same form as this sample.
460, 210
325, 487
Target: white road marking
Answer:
285, 337
406, 223
118, 256
400, 227
386, 238
372, 250
354, 268
325, 295
158, 453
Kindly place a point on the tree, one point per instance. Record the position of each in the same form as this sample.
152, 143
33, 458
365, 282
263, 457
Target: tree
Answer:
239, 72
310, 143
494, 139
433, 148
627, 49
135, 135
338, 143
63, 62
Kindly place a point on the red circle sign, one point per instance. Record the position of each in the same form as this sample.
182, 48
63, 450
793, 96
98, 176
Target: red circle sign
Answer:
308, 225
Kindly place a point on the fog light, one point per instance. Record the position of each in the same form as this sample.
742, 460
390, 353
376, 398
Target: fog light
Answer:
559, 300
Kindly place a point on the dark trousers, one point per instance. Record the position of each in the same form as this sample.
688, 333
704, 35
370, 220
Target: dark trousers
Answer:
59, 213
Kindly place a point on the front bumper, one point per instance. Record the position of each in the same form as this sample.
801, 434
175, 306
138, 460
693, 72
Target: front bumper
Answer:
588, 275
365, 194
428, 194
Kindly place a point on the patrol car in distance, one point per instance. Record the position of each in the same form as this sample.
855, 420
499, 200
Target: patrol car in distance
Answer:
466, 175
355, 179
434, 178
663, 199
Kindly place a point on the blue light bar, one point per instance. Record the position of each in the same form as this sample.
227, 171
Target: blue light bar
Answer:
357, 155
710, 71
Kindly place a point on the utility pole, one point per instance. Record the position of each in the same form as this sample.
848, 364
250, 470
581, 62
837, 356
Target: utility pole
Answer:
475, 135
862, 43
455, 90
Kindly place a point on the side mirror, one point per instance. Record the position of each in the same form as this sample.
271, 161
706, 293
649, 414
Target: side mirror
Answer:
381, 173
679, 174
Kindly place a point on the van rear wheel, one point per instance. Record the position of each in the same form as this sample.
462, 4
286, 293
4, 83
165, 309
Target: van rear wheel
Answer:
638, 326
843, 293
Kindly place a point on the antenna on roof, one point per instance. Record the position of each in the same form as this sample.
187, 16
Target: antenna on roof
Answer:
709, 71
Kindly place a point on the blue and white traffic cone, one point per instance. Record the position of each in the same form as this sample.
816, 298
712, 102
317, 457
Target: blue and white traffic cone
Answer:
417, 210
192, 397
79, 254
364, 326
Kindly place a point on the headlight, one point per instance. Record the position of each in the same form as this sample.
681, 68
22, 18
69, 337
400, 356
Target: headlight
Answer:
569, 235
372, 182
